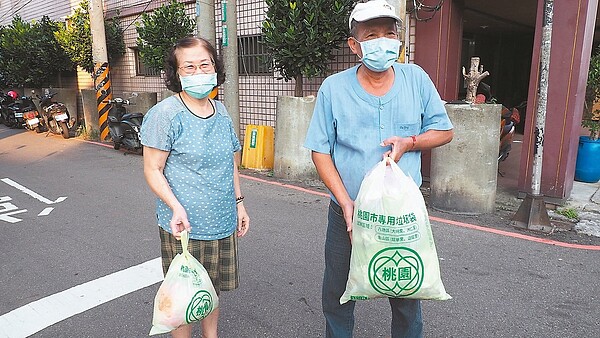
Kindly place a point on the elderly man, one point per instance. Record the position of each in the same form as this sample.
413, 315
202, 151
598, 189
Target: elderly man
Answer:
375, 109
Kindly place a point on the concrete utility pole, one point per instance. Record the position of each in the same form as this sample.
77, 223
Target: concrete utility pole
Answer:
205, 20
400, 6
101, 70
532, 213
230, 58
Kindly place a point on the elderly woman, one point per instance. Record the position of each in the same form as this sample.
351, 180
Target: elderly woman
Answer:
190, 164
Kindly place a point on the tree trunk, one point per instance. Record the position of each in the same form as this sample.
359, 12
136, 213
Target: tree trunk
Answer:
473, 78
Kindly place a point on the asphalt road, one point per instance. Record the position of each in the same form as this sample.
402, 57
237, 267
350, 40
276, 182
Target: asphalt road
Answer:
502, 286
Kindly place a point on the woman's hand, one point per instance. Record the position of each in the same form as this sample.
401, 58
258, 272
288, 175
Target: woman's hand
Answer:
243, 220
179, 222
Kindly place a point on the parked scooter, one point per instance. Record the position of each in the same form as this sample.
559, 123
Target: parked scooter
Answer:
55, 115
31, 117
8, 115
20, 111
510, 117
5, 100
124, 127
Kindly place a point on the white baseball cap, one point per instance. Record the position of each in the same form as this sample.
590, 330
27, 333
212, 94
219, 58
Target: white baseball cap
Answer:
373, 9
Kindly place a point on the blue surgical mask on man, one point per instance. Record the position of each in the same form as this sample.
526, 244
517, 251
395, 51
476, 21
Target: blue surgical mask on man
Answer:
199, 85
380, 54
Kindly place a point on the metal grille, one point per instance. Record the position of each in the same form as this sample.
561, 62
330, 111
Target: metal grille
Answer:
253, 58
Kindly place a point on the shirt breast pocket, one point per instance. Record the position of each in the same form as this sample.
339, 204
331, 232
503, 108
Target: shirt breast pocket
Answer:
404, 129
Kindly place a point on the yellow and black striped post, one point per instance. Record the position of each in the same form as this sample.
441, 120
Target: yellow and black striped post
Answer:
103, 94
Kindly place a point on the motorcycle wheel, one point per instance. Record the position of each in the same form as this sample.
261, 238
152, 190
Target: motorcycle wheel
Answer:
65, 129
117, 145
38, 129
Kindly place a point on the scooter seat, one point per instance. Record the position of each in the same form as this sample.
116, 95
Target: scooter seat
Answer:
129, 116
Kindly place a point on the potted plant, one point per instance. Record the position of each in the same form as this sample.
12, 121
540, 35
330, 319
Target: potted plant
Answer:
300, 38
587, 167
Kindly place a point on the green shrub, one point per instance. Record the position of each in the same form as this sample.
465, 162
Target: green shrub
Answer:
301, 36
30, 55
591, 117
159, 30
76, 38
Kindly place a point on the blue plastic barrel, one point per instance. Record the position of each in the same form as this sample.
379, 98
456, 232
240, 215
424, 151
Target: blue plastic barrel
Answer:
587, 167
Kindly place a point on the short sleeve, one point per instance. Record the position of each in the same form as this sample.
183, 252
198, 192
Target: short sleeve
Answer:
321, 131
234, 139
235, 142
157, 130
434, 112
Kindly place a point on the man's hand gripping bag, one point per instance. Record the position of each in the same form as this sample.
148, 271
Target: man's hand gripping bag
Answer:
393, 252
186, 295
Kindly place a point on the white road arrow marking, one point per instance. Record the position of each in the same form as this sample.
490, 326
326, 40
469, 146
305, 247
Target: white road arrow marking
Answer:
7, 218
46, 211
31, 193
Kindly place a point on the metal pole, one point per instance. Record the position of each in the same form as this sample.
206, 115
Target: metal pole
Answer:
205, 20
101, 73
532, 213
400, 6
230, 58
540, 117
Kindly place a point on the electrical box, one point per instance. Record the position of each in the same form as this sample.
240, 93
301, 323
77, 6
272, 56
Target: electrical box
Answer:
258, 150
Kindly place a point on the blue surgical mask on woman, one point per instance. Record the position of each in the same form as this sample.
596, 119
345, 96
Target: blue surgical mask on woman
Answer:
199, 85
380, 54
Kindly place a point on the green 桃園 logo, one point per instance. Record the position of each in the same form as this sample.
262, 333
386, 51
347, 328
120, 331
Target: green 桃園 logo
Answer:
396, 272
199, 307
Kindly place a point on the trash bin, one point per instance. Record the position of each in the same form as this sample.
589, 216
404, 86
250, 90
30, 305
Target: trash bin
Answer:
258, 150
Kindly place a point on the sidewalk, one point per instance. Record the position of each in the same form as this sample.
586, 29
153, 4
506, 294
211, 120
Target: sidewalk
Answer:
584, 199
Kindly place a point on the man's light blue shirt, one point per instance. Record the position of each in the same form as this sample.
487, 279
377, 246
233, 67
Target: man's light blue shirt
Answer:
349, 124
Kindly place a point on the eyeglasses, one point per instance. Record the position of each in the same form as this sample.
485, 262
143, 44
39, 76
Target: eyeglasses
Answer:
204, 67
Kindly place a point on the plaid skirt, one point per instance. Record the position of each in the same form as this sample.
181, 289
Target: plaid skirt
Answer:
219, 258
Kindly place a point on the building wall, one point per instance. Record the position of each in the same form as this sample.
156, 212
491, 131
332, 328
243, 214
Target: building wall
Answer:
34, 9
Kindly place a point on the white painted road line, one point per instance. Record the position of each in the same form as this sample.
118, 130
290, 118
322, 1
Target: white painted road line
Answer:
31, 192
8, 218
46, 211
38, 315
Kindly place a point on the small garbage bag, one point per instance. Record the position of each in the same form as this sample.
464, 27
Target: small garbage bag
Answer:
393, 252
186, 294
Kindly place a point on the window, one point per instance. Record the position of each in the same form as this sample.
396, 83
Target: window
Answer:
140, 68
252, 56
